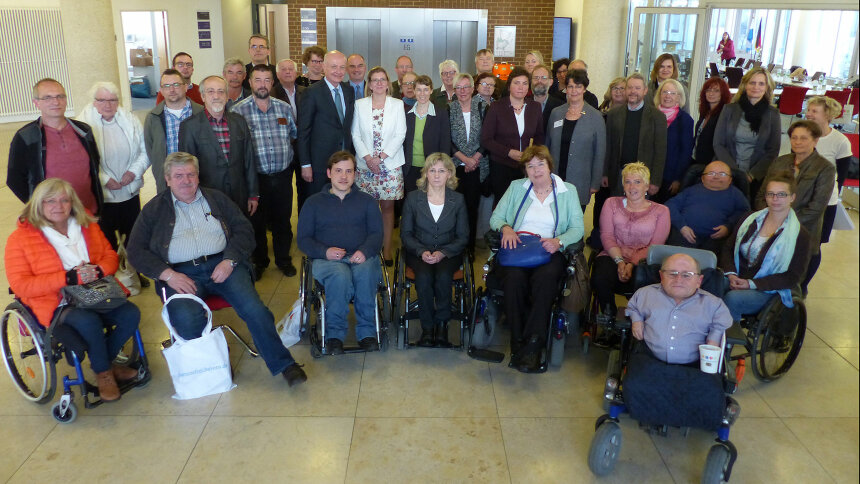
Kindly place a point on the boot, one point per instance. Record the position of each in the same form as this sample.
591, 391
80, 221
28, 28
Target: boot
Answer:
123, 373
442, 335
427, 338
108, 391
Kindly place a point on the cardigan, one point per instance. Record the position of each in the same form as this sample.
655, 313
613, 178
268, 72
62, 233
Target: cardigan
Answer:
766, 147
652, 143
35, 272
458, 127
570, 226
393, 131
586, 152
679, 148
419, 232
436, 136
632, 232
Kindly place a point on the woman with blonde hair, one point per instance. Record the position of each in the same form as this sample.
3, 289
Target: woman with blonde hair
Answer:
615, 95
533, 59
670, 99
434, 230
57, 244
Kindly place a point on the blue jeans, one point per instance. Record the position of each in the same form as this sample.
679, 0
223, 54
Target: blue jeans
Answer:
746, 301
189, 318
343, 282
90, 325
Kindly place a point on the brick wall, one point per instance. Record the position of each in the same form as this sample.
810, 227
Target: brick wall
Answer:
532, 18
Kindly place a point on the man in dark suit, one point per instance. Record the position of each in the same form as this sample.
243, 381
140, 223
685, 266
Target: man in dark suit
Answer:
325, 123
541, 82
287, 90
221, 141
258, 49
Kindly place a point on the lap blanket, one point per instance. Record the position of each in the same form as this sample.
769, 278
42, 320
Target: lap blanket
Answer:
657, 393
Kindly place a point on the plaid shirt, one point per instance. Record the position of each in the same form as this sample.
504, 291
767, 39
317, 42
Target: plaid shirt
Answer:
171, 126
222, 132
272, 131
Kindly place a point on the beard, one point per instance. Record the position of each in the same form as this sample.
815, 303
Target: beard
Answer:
216, 108
540, 89
261, 93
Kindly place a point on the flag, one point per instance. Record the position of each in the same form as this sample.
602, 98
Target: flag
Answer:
758, 38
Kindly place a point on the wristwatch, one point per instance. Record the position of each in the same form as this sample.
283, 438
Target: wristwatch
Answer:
232, 262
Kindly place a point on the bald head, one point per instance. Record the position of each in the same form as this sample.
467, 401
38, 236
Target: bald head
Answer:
717, 176
334, 65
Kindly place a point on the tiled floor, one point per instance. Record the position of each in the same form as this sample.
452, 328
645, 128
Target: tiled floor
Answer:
436, 415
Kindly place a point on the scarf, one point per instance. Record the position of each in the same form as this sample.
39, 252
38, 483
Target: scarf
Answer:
753, 113
671, 114
778, 257
72, 249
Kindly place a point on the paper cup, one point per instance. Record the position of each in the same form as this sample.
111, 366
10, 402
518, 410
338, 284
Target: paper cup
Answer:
709, 358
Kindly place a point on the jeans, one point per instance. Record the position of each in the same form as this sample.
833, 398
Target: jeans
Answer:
433, 283
343, 282
275, 210
90, 325
746, 301
189, 318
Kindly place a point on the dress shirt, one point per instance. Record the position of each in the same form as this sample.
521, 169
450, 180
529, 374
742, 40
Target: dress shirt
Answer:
357, 88
674, 332
196, 232
171, 125
272, 131
332, 89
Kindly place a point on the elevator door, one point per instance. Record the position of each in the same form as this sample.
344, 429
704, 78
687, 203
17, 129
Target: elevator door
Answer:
363, 37
455, 40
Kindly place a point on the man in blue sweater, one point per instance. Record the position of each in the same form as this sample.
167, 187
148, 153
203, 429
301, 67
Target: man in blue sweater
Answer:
704, 215
340, 230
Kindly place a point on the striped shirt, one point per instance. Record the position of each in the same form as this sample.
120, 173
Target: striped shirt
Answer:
196, 232
222, 132
272, 131
171, 126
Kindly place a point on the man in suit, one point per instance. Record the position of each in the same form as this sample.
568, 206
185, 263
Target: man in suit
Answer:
221, 141
403, 65
289, 91
541, 82
357, 67
258, 49
325, 123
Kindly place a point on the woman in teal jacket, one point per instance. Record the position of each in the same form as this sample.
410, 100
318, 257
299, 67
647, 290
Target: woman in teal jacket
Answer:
544, 205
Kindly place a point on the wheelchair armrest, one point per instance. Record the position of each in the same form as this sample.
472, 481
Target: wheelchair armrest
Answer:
493, 239
571, 250
735, 335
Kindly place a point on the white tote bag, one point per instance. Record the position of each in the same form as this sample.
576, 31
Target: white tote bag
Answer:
200, 366
290, 326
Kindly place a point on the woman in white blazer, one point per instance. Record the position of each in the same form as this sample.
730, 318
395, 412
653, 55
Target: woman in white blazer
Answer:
378, 130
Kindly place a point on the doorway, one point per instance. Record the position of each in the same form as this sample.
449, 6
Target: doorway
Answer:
146, 54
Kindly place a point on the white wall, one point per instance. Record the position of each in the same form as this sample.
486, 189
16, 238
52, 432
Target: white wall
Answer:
236, 22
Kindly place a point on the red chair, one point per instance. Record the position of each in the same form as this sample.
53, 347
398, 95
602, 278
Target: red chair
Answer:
839, 96
791, 100
854, 100
854, 138
216, 303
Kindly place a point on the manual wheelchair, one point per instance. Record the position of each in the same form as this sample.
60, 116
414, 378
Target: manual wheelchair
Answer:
313, 310
31, 353
487, 312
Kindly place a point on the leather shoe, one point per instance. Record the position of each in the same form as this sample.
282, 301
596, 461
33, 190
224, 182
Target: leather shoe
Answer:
427, 339
258, 272
442, 336
294, 375
369, 344
123, 373
334, 346
530, 362
108, 390
288, 269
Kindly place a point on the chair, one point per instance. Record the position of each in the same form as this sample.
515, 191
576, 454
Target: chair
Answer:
849, 189
748, 64
818, 75
740, 62
715, 71
854, 100
839, 96
770, 67
794, 68
757, 64
791, 101
734, 76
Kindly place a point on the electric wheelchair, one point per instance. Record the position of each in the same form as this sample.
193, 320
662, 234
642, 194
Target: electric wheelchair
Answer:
405, 305
606, 443
31, 353
487, 312
312, 295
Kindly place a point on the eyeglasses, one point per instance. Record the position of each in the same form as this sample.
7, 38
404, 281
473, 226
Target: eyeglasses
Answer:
539, 78
316, 61
487, 84
107, 101
378, 81
210, 92
718, 174
410, 83
686, 275
779, 195
618, 88
670, 93
48, 99
260, 47
449, 73
534, 166
174, 85
463, 88
184, 64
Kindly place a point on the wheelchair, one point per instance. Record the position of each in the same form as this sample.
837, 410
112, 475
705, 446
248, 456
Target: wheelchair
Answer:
487, 313
405, 303
312, 295
31, 353
606, 444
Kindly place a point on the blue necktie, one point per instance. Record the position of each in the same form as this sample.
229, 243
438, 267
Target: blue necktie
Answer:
338, 102
358, 92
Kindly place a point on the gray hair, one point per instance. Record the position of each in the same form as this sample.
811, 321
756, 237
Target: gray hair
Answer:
180, 158
295, 64
233, 61
103, 85
579, 60
448, 63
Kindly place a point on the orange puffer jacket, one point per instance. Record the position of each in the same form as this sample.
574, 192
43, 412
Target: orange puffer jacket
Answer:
35, 272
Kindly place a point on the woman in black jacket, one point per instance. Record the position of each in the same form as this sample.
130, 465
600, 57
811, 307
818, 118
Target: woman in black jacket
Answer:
715, 94
434, 230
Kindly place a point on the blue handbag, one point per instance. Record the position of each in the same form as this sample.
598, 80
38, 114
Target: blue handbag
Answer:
529, 253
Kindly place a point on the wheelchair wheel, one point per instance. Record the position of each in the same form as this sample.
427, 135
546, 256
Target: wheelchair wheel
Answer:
774, 349
556, 350
67, 418
23, 350
383, 313
315, 320
716, 465
485, 317
605, 448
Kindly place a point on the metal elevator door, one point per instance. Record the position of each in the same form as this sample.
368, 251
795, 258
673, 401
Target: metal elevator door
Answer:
363, 37
455, 40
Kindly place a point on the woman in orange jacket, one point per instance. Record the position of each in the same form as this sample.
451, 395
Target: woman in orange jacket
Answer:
57, 243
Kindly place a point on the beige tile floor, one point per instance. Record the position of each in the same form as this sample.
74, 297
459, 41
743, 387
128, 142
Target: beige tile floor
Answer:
436, 415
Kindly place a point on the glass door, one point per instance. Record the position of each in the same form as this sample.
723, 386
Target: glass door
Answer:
678, 31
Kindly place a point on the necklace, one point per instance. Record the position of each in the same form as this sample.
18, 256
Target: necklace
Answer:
518, 110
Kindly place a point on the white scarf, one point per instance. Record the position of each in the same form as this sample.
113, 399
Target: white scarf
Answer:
72, 249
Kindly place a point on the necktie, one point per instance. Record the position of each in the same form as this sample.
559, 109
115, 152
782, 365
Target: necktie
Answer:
338, 103
358, 92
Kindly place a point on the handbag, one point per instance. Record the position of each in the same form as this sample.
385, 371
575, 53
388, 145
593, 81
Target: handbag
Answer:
100, 295
290, 326
529, 253
200, 366
576, 297
125, 273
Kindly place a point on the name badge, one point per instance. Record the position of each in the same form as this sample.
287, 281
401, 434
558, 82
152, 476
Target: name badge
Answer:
282, 121
558, 124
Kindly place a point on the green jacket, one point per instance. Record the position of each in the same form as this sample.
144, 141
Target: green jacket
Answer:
570, 227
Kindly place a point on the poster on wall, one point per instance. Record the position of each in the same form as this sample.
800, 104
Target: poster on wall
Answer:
504, 40
204, 29
309, 26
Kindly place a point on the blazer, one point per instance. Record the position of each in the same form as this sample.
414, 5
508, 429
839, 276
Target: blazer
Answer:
458, 127
155, 139
652, 143
393, 131
500, 135
703, 151
436, 137
766, 148
552, 102
814, 187
586, 152
235, 176
321, 131
679, 148
419, 232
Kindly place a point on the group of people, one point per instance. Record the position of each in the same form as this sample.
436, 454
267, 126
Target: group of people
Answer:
363, 149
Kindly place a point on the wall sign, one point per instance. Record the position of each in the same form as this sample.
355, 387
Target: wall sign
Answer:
504, 40
204, 29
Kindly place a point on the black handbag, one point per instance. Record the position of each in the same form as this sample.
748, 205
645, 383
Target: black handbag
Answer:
100, 295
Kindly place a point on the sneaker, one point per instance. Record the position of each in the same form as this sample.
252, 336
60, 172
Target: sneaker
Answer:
294, 375
334, 346
369, 344
288, 269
